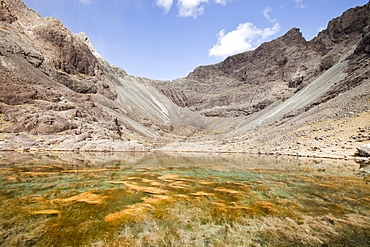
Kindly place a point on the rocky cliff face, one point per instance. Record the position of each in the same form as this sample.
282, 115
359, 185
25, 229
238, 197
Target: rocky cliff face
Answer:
248, 82
54, 83
57, 92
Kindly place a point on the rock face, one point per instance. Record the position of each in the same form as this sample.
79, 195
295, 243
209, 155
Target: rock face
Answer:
54, 85
249, 82
33, 122
53, 81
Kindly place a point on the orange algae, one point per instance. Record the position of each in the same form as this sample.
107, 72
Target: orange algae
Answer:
266, 207
115, 182
178, 185
207, 183
220, 204
47, 212
154, 183
203, 193
136, 187
11, 178
85, 170
134, 178
241, 207
230, 191
182, 196
151, 190
87, 197
156, 199
137, 212
366, 198
133, 213
145, 180
325, 185
169, 176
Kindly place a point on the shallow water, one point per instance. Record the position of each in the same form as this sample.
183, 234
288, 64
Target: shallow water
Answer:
145, 199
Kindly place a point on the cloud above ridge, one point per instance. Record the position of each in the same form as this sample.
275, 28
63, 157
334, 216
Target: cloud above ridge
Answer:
266, 12
188, 8
244, 38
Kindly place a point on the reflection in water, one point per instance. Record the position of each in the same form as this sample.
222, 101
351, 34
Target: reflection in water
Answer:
146, 199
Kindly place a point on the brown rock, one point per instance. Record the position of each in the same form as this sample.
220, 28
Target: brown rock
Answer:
17, 94
34, 122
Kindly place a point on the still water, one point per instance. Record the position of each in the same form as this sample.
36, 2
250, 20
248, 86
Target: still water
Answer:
146, 199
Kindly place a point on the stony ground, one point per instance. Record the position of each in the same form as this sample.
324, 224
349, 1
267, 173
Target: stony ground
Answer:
330, 138
333, 129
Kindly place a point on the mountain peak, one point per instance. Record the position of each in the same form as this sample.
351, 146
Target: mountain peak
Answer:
294, 36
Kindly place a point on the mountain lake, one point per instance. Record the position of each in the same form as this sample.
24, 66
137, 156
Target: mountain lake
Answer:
181, 199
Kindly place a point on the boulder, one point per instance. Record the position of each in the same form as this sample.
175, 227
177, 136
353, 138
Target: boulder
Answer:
34, 122
19, 141
364, 150
16, 94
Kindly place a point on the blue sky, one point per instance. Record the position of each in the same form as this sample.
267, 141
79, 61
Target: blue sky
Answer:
167, 39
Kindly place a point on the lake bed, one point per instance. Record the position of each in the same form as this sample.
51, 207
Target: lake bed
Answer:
148, 199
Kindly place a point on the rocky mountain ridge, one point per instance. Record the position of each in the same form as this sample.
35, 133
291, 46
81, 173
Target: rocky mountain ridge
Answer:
58, 93
54, 82
248, 82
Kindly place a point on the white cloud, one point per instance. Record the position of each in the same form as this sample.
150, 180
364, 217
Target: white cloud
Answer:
222, 2
299, 4
245, 37
85, 1
165, 4
191, 8
187, 8
266, 12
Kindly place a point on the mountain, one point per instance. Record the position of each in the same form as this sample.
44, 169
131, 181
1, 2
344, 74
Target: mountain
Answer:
58, 93
248, 82
54, 82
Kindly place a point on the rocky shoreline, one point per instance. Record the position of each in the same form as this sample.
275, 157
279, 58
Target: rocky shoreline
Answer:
107, 146
329, 139
288, 97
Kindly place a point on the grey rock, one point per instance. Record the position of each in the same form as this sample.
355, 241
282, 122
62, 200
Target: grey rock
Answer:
363, 150
34, 122
103, 146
